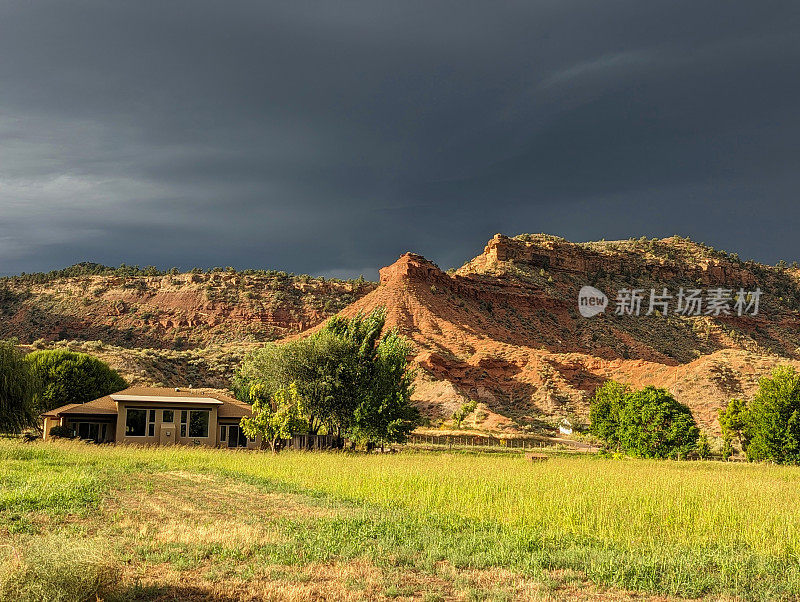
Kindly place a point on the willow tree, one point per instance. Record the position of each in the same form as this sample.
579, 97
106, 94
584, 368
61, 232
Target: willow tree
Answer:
18, 390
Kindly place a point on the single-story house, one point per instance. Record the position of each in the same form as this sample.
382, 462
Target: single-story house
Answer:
156, 416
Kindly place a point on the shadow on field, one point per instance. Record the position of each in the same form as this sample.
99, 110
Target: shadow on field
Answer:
170, 593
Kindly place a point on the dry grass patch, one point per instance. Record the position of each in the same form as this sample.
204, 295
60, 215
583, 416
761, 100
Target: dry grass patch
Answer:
196, 509
57, 569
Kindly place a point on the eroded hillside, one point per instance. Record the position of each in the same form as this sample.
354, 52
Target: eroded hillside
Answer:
171, 311
504, 329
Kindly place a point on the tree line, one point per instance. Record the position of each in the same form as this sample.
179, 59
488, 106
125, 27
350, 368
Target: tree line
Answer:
650, 423
88, 268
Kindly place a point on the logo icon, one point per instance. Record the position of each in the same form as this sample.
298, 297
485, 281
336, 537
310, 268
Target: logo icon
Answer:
591, 301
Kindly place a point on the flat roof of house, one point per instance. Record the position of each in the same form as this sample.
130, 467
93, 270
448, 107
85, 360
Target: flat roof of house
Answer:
229, 407
164, 399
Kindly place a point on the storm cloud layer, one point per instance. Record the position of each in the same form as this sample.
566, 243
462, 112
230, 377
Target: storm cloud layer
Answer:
330, 137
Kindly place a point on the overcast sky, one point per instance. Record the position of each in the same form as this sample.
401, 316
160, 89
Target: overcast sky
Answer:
330, 137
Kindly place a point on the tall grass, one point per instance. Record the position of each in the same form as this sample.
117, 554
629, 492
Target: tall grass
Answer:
55, 569
684, 528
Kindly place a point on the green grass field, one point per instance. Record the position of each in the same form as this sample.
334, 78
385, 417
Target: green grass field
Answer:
172, 524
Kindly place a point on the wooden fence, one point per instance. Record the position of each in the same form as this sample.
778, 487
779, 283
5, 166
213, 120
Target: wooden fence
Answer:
476, 441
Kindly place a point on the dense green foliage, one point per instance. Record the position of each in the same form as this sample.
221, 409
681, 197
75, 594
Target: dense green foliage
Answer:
647, 423
18, 390
276, 417
771, 422
69, 377
353, 378
604, 411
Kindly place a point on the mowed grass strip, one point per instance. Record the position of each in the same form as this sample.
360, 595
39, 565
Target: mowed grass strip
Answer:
683, 529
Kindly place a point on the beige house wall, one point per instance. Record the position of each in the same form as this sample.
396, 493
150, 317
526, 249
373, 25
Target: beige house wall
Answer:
164, 433
210, 441
48, 423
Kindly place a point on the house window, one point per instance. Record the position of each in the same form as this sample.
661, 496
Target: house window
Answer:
183, 422
135, 423
90, 431
222, 433
151, 424
198, 423
168, 416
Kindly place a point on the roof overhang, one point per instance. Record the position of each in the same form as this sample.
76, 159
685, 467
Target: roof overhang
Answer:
165, 399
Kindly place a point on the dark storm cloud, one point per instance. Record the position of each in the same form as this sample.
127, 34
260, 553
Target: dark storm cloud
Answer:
330, 137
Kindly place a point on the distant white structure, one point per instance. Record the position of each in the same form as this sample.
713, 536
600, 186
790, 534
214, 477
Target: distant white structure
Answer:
565, 427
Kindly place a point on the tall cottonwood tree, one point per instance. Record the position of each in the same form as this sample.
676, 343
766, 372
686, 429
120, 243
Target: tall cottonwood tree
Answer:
353, 377
648, 423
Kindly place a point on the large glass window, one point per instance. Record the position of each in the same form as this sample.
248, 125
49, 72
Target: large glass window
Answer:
135, 423
151, 423
168, 416
198, 423
183, 423
90, 431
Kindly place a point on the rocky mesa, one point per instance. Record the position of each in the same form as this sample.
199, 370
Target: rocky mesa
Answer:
504, 329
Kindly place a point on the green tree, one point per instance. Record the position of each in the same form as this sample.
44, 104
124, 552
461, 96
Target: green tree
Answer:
70, 377
703, 447
276, 417
604, 411
465, 410
733, 420
653, 424
647, 423
353, 377
18, 390
791, 444
319, 365
773, 416
384, 413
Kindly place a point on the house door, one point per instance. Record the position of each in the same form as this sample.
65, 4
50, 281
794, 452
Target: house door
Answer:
236, 437
166, 436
